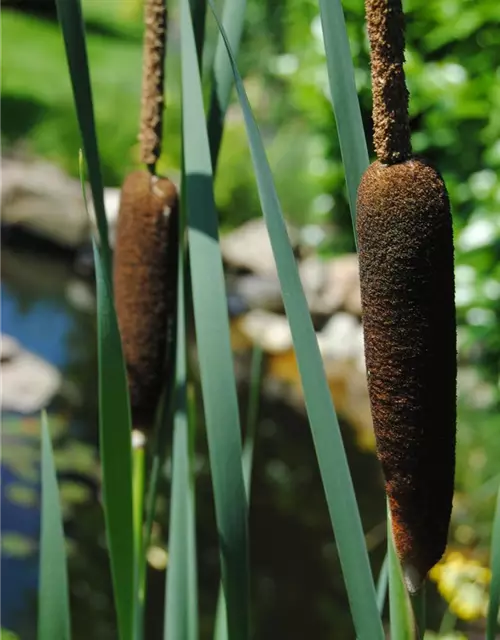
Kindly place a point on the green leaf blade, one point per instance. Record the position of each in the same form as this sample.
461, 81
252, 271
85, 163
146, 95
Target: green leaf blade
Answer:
181, 620
233, 18
114, 409
344, 97
199, 13
214, 349
116, 451
53, 594
71, 20
325, 429
220, 630
382, 583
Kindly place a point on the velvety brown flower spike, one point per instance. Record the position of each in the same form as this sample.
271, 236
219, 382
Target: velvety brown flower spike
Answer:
405, 240
146, 248
145, 285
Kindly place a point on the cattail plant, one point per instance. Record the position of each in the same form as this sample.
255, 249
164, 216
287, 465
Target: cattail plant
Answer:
405, 236
145, 256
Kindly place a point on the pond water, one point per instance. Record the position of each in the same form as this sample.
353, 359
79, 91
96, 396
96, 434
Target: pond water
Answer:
297, 587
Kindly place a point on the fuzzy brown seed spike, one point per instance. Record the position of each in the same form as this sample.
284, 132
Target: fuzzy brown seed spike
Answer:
385, 21
152, 100
405, 240
145, 281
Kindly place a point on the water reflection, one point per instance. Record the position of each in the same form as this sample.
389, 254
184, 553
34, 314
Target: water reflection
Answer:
297, 588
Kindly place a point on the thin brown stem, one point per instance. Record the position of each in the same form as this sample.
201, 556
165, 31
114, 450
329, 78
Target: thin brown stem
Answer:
390, 96
153, 77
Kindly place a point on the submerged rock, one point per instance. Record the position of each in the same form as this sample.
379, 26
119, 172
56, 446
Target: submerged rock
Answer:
28, 382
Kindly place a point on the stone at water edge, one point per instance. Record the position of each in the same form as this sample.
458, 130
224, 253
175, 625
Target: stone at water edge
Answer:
248, 248
28, 382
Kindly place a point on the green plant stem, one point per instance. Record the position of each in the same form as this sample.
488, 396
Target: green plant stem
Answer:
418, 602
448, 623
401, 614
138, 484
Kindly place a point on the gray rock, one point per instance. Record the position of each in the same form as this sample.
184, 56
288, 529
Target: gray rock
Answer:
331, 285
28, 382
9, 349
256, 292
42, 199
249, 248
341, 339
269, 331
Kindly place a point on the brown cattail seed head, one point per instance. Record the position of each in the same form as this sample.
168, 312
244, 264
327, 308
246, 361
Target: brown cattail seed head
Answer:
405, 240
145, 281
385, 22
152, 100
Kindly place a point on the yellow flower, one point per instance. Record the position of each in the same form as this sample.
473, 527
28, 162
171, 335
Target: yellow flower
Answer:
469, 602
463, 583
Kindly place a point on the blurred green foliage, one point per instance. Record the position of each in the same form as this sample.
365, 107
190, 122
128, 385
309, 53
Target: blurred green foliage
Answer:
8, 635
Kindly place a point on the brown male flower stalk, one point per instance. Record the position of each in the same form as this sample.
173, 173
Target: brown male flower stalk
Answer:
405, 238
153, 79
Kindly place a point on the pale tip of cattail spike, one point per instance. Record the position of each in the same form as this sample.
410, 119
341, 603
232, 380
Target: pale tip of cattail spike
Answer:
412, 578
138, 439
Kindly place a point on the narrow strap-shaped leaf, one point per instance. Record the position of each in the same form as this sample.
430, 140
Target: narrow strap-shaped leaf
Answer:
252, 414
180, 620
71, 21
115, 444
198, 15
213, 341
114, 411
383, 580
53, 598
344, 97
115, 450
220, 629
493, 609
325, 428
192, 567
233, 17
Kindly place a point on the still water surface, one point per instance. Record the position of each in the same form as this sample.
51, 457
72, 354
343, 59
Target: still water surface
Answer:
297, 589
